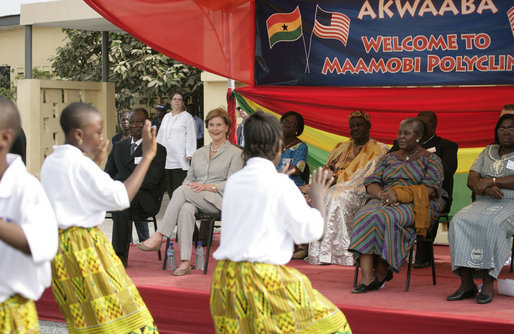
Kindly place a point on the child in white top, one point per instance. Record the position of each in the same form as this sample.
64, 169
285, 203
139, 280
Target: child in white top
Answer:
263, 215
28, 233
89, 281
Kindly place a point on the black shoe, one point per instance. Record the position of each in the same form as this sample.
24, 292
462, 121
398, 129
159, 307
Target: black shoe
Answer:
421, 264
485, 299
460, 295
363, 288
387, 278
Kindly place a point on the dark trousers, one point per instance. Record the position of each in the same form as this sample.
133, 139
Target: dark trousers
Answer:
122, 228
174, 177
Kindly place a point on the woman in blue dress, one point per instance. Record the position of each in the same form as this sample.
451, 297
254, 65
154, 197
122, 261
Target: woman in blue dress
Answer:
294, 151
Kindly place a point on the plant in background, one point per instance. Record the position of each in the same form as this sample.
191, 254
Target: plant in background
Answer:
140, 74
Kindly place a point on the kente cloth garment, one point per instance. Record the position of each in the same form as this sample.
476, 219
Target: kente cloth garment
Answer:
92, 289
18, 315
388, 231
418, 195
343, 200
480, 233
295, 155
265, 298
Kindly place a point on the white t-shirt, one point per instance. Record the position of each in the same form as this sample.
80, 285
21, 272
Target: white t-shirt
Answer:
178, 134
79, 191
263, 215
23, 202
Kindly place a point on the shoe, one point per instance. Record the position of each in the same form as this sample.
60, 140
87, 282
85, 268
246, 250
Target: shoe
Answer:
182, 272
363, 288
460, 295
421, 264
301, 254
485, 299
387, 278
145, 248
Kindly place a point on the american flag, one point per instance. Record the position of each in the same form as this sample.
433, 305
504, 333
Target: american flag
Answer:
510, 15
331, 25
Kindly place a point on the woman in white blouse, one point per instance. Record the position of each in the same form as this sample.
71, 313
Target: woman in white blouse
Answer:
177, 133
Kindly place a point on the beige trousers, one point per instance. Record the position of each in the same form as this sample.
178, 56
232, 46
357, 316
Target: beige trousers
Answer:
181, 210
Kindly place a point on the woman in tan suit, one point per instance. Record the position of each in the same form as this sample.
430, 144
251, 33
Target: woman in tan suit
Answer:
202, 190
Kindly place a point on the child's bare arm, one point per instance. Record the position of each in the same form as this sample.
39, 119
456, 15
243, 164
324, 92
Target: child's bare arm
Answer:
14, 236
133, 183
320, 182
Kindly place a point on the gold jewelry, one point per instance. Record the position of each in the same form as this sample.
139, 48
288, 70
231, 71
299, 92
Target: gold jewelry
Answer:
80, 141
213, 188
494, 181
408, 156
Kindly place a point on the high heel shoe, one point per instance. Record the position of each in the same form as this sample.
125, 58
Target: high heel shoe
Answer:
460, 295
363, 288
485, 299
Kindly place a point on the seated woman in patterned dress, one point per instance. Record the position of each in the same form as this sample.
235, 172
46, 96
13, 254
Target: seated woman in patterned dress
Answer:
351, 162
405, 201
480, 233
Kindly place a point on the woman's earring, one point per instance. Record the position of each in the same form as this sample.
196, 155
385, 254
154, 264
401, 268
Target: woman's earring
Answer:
417, 140
80, 141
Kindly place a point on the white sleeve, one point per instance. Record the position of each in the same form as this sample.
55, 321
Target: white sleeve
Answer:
190, 136
39, 224
303, 223
161, 137
104, 193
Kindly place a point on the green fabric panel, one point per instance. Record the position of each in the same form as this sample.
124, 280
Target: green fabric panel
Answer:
317, 157
461, 193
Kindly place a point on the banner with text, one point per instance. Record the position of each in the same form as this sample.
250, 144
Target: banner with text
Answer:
384, 42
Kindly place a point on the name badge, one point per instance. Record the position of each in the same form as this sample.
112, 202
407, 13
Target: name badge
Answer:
510, 165
431, 150
286, 161
137, 160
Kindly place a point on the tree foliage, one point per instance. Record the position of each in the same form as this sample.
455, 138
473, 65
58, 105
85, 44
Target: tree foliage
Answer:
140, 74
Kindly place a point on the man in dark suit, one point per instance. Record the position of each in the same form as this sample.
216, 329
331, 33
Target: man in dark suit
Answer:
240, 134
122, 161
447, 151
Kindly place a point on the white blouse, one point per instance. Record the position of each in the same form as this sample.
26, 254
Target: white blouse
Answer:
178, 134
23, 202
263, 215
79, 191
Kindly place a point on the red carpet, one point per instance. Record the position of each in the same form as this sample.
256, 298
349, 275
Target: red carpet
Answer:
181, 304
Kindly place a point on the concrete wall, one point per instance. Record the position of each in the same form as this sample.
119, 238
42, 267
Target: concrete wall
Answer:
40, 103
44, 44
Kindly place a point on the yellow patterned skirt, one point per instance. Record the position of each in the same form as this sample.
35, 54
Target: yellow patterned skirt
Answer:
18, 315
93, 290
265, 298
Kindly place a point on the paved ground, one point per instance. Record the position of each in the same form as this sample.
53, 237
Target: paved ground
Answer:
48, 327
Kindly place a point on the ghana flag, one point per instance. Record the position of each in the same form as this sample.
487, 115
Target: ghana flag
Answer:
284, 27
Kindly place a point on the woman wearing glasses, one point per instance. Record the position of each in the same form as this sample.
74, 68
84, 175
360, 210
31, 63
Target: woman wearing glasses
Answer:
480, 233
294, 150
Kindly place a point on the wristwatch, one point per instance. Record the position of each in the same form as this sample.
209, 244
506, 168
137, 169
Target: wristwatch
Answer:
214, 188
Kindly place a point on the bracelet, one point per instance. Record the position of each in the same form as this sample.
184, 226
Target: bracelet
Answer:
494, 181
213, 188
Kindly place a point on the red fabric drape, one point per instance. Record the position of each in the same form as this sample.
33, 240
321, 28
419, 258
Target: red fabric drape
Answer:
216, 36
231, 108
466, 115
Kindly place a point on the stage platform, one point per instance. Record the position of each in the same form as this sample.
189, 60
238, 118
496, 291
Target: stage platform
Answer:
181, 304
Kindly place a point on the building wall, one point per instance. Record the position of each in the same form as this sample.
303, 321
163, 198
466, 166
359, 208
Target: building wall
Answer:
44, 44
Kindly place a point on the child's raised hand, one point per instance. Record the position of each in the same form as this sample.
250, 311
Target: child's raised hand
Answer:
99, 154
320, 182
149, 142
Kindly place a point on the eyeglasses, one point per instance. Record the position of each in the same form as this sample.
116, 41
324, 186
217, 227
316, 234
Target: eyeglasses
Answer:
509, 130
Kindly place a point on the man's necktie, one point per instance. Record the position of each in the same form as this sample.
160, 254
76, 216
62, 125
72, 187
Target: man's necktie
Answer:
133, 147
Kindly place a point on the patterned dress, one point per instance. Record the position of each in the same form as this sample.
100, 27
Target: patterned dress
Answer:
480, 233
295, 156
388, 231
